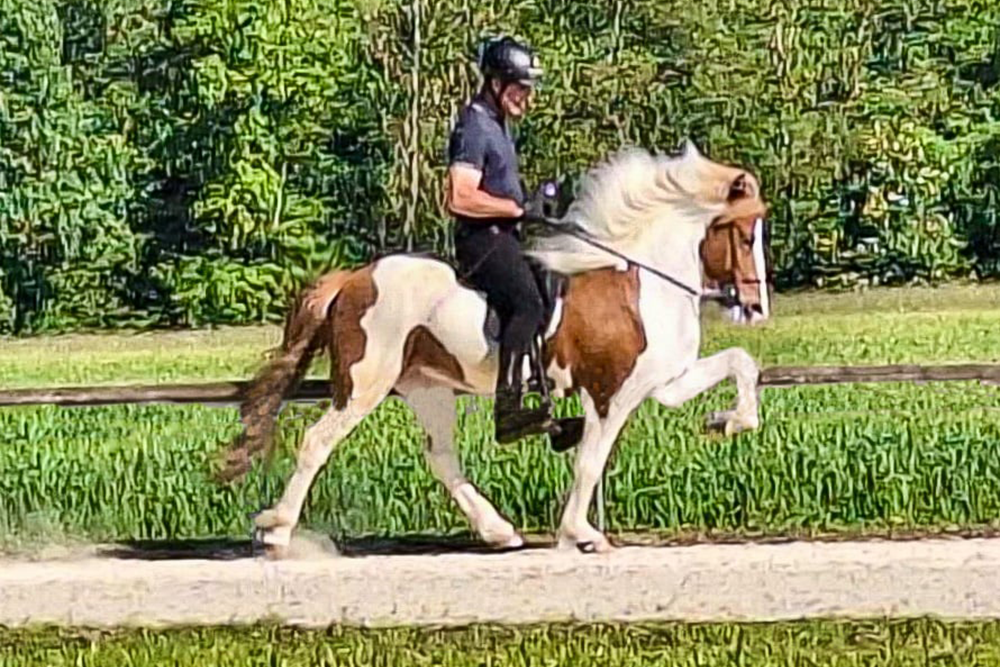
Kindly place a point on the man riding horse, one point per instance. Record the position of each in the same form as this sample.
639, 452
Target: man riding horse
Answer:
646, 231
485, 196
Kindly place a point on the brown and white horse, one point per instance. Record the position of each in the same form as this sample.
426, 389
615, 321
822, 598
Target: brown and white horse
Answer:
619, 333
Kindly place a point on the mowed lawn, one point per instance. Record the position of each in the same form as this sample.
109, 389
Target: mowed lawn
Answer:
912, 325
891, 643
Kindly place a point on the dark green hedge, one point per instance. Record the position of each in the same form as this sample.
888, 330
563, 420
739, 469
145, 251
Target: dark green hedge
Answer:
189, 162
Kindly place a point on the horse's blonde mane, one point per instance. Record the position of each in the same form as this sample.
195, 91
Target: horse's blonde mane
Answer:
630, 192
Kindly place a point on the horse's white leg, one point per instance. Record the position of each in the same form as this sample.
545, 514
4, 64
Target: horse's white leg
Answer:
275, 525
704, 374
575, 530
435, 408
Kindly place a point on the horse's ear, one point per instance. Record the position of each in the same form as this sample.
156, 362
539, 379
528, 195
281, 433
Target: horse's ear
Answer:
688, 149
740, 187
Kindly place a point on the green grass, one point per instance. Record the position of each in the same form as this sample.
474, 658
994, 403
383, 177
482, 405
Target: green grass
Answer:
832, 459
888, 643
931, 460
124, 358
884, 326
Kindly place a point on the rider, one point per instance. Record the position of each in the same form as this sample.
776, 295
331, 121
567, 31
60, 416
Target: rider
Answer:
484, 194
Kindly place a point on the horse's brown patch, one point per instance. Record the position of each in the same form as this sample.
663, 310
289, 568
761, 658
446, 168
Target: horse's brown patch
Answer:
599, 358
728, 249
347, 343
424, 351
727, 254
717, 254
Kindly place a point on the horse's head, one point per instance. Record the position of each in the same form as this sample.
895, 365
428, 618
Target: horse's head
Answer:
664, 209
733, 252
734, 261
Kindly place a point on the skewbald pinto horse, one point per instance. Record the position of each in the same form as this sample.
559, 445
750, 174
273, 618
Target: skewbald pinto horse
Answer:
618, 334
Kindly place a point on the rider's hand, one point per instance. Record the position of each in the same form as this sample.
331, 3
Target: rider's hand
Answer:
533, 212
534, 208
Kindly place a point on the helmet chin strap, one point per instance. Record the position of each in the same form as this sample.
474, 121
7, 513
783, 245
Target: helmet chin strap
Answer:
496, 96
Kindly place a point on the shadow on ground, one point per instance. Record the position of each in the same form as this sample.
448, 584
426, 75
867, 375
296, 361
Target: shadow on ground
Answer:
430, 544
233, 549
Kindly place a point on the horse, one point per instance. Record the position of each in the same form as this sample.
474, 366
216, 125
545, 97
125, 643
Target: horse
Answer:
623, 326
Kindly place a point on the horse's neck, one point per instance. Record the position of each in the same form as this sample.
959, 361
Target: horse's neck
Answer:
607, 311
672, 250
596, 299
671, 315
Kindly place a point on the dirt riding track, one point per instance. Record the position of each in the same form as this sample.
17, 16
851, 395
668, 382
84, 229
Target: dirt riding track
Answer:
949, 578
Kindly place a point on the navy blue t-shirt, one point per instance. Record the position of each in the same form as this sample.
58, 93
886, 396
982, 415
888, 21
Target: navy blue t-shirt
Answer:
480, 139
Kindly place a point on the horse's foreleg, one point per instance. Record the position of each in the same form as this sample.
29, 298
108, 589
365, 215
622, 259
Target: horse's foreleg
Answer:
599, 435
706, 373
435, 408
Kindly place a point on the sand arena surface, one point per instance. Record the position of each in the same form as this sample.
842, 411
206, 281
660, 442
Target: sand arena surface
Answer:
950, 578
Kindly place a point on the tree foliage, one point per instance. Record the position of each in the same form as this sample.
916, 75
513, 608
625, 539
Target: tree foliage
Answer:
191, 161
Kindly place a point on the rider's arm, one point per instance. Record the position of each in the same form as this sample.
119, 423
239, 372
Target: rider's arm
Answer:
463, 196
467, 151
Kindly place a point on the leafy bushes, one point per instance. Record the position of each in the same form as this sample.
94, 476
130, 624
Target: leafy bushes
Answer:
189, 162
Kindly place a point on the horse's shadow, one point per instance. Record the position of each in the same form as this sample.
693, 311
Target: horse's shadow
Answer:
350, 547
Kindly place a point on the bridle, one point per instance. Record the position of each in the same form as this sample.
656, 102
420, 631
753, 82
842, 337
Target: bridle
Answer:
731, 292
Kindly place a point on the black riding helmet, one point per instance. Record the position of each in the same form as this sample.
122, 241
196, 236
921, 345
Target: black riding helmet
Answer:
507, 60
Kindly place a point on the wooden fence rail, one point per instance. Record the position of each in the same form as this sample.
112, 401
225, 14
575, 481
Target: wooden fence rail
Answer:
230, 393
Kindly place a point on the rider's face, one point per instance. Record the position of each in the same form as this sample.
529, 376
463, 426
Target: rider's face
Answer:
515, 100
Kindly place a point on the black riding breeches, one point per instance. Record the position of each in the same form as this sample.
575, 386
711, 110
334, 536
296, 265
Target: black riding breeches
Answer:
491, 259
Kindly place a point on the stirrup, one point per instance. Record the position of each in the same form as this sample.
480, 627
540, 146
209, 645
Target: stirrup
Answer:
512, 426
566, 433
513, 420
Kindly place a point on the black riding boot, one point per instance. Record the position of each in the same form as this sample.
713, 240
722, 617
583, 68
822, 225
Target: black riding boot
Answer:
513, 421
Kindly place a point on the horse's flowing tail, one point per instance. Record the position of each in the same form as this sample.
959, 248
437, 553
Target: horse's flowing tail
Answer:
303, 335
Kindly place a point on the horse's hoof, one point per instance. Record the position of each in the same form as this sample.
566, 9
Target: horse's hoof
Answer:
515, 542
275, 541
598, 544
738, 425
271, 546
266, 519
729, 423
504, 539
601, 546
718, 422
276, 551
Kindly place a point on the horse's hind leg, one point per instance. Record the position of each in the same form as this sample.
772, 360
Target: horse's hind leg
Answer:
275, 525
435, 408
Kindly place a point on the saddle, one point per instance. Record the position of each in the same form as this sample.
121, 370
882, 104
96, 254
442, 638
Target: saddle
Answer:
552, 287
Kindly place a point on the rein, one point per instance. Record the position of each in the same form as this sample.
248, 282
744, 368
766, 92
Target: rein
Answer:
568, 228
